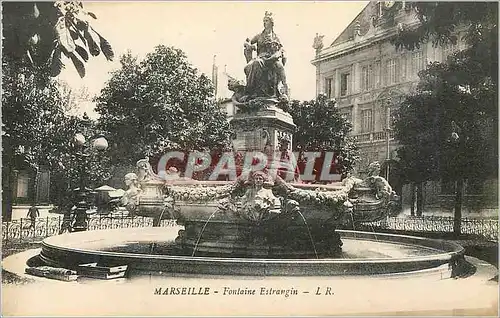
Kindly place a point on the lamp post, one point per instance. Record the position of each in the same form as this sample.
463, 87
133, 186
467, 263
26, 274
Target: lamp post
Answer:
388, 138
458, 140
388, 153
100, 143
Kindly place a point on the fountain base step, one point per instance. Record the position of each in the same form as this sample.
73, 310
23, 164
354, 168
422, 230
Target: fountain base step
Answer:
93, 270
363, 253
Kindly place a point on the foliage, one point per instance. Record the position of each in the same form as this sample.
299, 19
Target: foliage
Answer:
38, 133
73, 98
157, 105
36, 130
321, 127
439, 22
425, 122
69, 167
389, 14
37, 33
31, 115
458, 96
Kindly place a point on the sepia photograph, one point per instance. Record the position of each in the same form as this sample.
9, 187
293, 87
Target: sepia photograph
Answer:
249, 158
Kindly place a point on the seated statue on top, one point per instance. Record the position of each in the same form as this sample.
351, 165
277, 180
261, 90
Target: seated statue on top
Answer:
265, 72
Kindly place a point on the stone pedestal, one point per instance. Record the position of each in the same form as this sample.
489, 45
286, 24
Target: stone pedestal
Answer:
254, 131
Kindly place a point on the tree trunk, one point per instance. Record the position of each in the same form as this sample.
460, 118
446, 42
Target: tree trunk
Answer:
7, 193
420, 198
8, 165
35, 187
413, 199
457, 218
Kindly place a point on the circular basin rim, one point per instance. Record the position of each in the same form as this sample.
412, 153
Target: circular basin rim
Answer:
456, 249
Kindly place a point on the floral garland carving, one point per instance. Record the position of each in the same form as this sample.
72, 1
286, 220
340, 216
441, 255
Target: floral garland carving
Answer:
200, 194
209, 193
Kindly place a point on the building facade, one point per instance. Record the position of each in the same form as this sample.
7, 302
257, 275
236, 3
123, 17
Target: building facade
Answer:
365, 74
23, 186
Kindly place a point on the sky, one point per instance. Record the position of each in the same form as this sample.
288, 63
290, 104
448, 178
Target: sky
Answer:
203, 29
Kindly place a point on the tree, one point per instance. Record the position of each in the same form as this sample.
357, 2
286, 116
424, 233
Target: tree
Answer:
447, 128
37, 33
157, 105
31, 117
73, 97
35, 126
66, 168
321, 127
38, 133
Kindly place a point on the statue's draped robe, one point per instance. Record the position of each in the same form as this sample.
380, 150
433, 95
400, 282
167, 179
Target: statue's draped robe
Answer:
261, 75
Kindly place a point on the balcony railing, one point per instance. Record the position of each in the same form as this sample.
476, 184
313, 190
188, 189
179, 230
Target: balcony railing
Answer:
373, 136
379, 135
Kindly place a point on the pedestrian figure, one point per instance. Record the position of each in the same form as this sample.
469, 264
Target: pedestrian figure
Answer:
33, 213
66, 223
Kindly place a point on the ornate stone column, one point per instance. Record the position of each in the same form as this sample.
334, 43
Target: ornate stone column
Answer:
261, 130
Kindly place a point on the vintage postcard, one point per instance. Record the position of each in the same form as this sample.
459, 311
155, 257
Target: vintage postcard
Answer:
244, 158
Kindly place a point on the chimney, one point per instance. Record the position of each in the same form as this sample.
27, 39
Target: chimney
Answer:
215, 70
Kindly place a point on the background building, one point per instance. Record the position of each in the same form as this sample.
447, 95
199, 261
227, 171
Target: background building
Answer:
220, 79
365, 74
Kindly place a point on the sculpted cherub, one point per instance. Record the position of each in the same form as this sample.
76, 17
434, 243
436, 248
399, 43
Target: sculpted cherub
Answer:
383, 189
143, 170
131, 197
258, 202
238, 88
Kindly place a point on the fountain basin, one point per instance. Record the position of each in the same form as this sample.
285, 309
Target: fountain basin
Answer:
201, 207
211, 232
149, 251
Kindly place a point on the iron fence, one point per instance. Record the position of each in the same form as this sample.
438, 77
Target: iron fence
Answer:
485, 228
51, 225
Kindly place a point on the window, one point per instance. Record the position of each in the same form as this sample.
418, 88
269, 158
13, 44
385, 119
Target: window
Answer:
377, 75
388, 117
366, 120
329, 87
391, 72
417, 62
367, 77
230, 109
344, 84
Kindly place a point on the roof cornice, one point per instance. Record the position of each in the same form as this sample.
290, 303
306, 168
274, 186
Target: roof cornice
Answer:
341, 49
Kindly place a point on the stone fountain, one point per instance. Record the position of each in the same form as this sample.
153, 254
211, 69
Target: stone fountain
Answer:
263, 213
264, 222
258, 214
